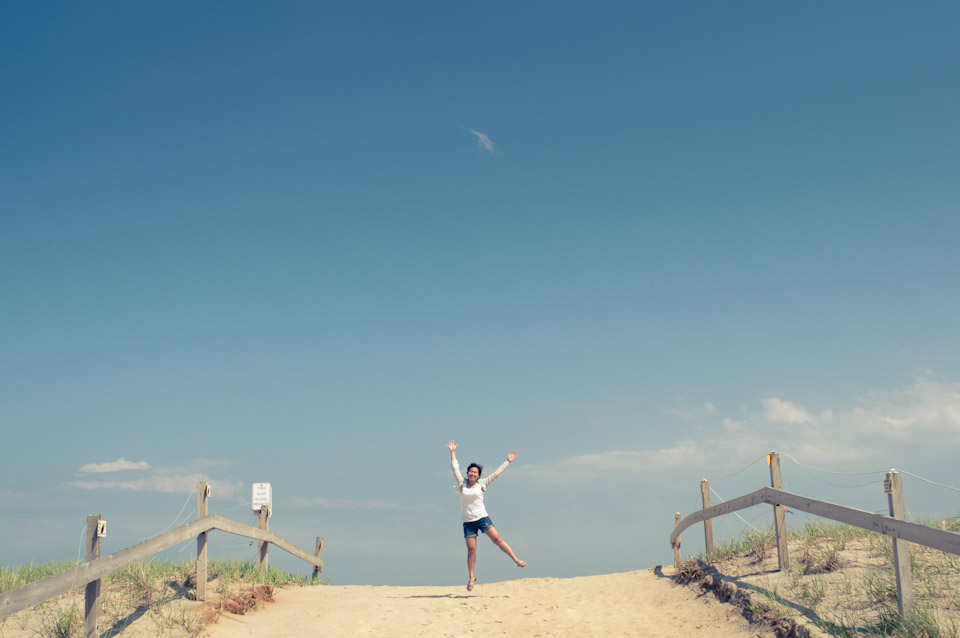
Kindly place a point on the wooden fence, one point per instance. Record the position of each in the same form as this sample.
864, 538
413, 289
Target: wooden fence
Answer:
903, 532
91, 572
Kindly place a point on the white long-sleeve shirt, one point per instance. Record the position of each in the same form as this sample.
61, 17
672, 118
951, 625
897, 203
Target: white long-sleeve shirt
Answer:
471, 498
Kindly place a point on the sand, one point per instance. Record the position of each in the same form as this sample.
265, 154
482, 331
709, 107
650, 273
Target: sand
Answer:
639, 603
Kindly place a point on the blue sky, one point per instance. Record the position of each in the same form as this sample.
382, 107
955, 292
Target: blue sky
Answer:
309, 243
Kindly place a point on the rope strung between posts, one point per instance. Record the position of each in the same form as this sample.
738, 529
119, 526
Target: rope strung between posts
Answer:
83, 532
744, 469
916, 476
831, 483
830, 471
235, 507
174, 522
722, 500
949, 487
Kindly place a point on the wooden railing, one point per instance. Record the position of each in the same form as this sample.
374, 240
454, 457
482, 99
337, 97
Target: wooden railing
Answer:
91, 572
901, 531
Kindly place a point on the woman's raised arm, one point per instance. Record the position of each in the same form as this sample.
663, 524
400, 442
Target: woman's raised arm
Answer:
453, 463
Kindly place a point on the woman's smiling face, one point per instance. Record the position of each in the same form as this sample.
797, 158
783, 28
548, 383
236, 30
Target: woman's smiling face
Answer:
472, 475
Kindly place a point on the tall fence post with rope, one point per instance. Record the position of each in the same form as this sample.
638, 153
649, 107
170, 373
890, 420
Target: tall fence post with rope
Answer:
779, 514
264, 524
91, 598
203, 495
676, 546
893, 486
707, 523
316, 552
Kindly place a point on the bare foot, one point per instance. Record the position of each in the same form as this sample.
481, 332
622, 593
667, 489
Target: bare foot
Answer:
471, 583
521, 563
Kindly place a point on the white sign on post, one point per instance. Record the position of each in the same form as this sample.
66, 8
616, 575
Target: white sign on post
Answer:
262, 495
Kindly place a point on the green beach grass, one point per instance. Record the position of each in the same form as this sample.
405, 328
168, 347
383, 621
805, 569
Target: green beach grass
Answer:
841, 581
149, 598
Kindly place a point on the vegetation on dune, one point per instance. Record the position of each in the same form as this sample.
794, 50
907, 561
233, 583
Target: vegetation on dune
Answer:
840, 580
163, 592
13, 577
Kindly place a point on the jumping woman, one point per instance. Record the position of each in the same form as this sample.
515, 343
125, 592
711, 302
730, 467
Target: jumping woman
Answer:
475, 518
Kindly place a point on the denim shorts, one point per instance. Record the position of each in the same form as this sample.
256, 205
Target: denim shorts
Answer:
480, 525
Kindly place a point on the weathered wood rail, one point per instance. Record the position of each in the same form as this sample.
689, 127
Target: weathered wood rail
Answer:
905, 530
92, 571
900, 530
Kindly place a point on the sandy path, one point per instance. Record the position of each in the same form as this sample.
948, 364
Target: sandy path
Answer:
630, 604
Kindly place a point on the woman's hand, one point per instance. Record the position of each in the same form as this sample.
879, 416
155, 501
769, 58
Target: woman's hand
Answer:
451, 446
510, 457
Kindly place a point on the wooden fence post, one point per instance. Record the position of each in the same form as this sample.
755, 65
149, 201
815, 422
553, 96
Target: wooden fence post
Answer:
893, 486
203, 494
91, 607
779, 514
264, 523
707, 523
676, 548
316, 570
33, 593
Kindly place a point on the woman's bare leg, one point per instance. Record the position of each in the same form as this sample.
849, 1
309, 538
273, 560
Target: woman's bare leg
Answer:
502, 544
471, 561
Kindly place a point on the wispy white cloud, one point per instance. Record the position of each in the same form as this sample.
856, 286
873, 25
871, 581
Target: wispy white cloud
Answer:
164, 479
692, 413
483, 141
617, 462
348, 504
780, 411
136, 485
906, 421
114, 466
169, 484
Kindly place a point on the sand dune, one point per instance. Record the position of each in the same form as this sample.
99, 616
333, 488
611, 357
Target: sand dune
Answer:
638, 603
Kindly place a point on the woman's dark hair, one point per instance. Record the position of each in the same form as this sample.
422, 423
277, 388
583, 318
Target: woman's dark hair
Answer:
476, 465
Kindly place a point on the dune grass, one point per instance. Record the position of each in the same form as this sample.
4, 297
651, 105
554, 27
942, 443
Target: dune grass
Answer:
13, 577
841, 580
163, 592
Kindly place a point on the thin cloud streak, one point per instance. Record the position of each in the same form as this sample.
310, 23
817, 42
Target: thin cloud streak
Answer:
905, 421
166, 484
483, 141
616, 462
177, 478
779, 411
348, 504
114, 466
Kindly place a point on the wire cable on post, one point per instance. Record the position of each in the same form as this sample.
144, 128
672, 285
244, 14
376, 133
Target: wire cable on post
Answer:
831, 483
744, 469
79, 552
230, 509
723, 500
175, 520
829, 471
817, 469
949, 487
